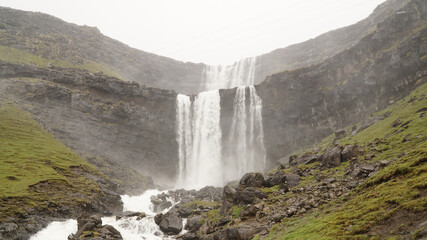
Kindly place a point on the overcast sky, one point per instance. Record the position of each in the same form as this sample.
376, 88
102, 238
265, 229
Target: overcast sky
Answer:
208, 31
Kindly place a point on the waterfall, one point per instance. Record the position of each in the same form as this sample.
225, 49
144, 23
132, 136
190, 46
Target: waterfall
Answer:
241, 73
202, 158
183, 132
199, 140
246, 152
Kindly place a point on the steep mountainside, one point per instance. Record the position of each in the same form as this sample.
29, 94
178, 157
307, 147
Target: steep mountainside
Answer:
135, 125
366, 185
324, 46
99, 116
43, 40
62, 44
41, 179
302, 106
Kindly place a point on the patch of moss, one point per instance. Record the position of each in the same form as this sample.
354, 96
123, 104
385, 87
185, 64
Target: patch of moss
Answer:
37, 170
236, 211
213, 215
270, 189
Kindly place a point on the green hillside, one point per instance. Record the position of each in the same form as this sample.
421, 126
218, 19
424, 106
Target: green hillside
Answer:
391, 201
36, 170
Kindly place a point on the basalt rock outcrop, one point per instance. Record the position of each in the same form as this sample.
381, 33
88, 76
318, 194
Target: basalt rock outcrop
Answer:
52, 38
302, 106
48, 37
99, 116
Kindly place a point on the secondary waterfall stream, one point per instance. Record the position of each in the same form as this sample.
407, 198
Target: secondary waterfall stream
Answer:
130, 228
202, 158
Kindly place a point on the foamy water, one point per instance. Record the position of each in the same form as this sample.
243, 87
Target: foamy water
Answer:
130, 228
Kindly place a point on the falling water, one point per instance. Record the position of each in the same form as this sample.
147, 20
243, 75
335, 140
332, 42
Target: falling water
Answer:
202, 160
199, 140
241, 73
246, 152
184, 135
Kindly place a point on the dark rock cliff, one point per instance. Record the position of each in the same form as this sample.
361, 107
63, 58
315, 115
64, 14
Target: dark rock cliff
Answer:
99, 115
324, 46
55, 40
302, 106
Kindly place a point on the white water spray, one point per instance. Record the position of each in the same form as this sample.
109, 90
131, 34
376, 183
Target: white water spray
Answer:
130, 228
199, 140
241, 73
202, 158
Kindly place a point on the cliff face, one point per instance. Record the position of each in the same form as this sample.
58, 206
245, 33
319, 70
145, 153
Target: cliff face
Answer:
58, 41
302, 106
63, 44
99, 115
324, 46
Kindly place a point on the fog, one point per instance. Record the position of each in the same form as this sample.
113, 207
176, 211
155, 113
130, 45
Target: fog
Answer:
208, 31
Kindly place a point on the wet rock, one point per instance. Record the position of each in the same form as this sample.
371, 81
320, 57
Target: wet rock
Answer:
332, 157
90, 228
171, 223
252, 180
162, 206
249, 195
225, 234
248, 211
350, 151
229, 196
292, 180
127, 214
188, 236
194, 223
274, 179
307, 158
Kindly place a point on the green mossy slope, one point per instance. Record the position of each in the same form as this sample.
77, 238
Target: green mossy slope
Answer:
37, 171
13, 55
388, 203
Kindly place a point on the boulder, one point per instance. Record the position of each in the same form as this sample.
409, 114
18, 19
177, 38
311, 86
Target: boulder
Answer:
332, 157
188, 236
225, 234
307, 158
162, 206
249, 211
292, 180
252, 180
249, 195
128, 214
194, 223
90, 228
275, 178
349, 152
171, 224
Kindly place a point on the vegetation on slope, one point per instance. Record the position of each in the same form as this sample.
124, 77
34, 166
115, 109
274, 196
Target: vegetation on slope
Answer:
390, 201
37, 171
13, 55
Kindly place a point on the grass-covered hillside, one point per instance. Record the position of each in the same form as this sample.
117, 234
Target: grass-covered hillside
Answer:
366, 182
13, 55
41, 176
392, 200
